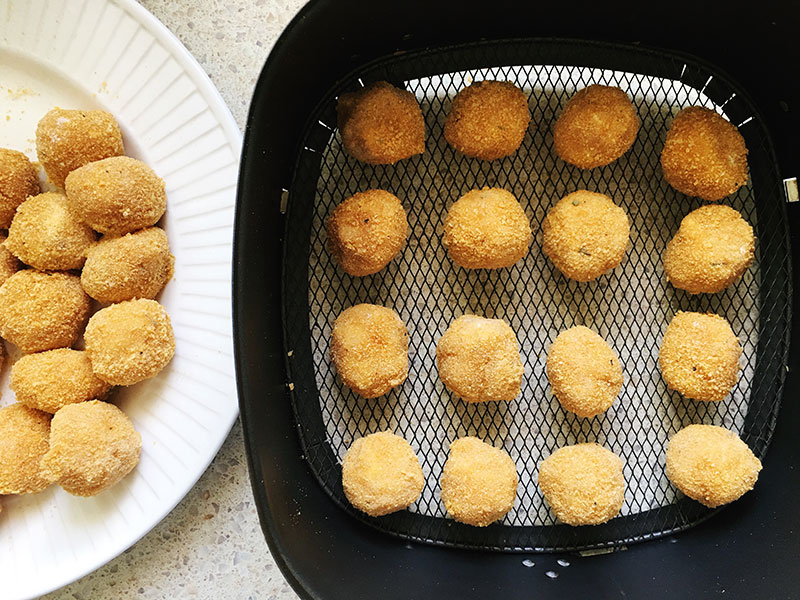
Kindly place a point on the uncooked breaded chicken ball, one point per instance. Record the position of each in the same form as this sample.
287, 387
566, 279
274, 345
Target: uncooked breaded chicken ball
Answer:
699, 356
381, 124
117, 195
369, 347
9, 264
479, 482
487, 229
46, 235
24, 439
41, 311
130, 341
597, 126
50, 380
583, 484
704, 155
712, 248
479, 360
584, 372
488, 120
711, 464
18, 180
93, 445
585, 235
366, 231
381, 474
136, 265
69, 139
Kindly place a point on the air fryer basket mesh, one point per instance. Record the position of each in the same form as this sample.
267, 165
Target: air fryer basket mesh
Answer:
629, 307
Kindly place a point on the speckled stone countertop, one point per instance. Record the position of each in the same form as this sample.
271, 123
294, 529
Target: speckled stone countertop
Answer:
211, 545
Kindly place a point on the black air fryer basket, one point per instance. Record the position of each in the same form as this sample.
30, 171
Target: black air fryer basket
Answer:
299, 418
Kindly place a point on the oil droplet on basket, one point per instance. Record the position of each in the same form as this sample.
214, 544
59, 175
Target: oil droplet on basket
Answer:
552, 574
528, 563
562, 562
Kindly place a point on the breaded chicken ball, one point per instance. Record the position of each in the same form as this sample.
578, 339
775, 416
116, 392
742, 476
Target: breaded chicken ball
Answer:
712, 248
366, 231
381, 474
479, 482
381, 124
369, 347
136, 265
704, 155
699, 356
711, 464
41, 311
117, 195
18, 180
488, 120
130, 341
585, 235
50, 380
9, 264
487, 229
69, 139
584, 372
597, 126
46, 235
479, 360
24, 439
583, 484
93, 445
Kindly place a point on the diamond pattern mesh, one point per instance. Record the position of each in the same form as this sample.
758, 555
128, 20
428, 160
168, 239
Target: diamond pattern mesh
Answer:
630, 307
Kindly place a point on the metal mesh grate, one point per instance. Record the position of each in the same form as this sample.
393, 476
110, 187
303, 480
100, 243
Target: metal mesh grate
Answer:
629, 307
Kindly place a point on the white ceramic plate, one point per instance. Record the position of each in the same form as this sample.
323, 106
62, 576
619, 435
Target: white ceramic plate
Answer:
113, 54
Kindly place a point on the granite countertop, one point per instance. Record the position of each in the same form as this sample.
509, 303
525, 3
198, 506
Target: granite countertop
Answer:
211, 545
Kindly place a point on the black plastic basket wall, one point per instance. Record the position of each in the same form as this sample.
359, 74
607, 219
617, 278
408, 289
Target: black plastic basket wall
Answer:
629, 307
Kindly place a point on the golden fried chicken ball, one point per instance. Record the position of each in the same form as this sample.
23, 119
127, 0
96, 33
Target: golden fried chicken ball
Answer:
583, 484
116, 195
381, 124
46, 235
487, 229
50, 380
704, 155
584, 372
69, 139
381, 474
18, 180
479, 482
479, 360
130, 341
24, 439
41, 311
597, 126
9, 264
369, 347
366, 231
488, 120
712, 248
585, 235
136, 265
699, 356
711, 464
93, 445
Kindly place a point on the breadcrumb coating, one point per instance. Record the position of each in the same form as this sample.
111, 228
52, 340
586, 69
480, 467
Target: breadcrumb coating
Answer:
711, 464
381, 474
24, 439
584, 372
369, 347
487, 229
366, 231
699, 356
479, 482
9, 264
704, 155
381, 124
488, 120
583, 484
479, 360
713, 247
18, 180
